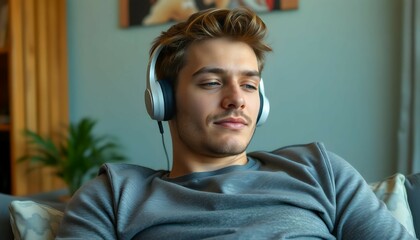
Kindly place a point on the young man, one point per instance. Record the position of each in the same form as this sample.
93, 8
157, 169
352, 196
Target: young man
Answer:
212, 65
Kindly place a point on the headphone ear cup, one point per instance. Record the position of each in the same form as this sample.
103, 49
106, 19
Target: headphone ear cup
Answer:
168, 99
264, 106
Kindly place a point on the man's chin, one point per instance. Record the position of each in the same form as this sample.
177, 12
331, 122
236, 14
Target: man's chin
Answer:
226, 150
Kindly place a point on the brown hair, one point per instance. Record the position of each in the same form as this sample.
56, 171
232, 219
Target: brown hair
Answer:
239, 24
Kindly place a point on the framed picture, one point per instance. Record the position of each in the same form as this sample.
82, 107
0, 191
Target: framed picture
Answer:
152, 12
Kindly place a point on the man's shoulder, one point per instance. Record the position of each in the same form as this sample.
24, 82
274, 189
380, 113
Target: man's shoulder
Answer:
127, 170
297, 151
313, 147
313, 156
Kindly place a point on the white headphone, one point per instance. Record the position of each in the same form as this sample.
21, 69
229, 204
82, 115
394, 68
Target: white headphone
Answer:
160, 101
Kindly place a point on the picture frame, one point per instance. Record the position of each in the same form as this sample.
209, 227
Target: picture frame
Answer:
154, 12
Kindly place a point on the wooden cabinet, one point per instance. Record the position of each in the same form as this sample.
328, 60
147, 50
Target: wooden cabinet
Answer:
33, 83
5, 137
5, 177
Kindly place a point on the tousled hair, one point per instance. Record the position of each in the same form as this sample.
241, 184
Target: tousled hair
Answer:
238, 24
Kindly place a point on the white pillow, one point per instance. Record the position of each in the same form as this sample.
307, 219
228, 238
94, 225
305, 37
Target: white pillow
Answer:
32, 221
393, 193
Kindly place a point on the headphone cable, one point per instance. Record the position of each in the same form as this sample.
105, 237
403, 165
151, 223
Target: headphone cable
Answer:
163, 143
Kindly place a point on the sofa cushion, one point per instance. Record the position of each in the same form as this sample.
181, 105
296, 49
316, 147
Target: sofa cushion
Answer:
393, 193
31, 220
52, 198
412, 185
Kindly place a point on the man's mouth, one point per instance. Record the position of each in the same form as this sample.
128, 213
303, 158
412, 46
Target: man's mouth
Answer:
232, 123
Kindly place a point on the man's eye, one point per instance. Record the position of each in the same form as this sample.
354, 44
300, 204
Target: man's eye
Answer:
210, 84
250, 86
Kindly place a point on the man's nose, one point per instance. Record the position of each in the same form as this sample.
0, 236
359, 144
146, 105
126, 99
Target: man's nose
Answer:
233, 97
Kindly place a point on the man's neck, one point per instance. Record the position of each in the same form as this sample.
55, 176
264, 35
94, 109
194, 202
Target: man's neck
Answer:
183, 165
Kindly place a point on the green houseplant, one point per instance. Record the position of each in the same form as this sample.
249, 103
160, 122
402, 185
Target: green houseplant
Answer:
76, 156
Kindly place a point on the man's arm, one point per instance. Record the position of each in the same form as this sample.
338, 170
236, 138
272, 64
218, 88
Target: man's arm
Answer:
90, 212
360, 215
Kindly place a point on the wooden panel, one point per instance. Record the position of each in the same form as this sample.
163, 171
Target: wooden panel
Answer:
62, 113
31, 69
39, 89
45, 47
18, 113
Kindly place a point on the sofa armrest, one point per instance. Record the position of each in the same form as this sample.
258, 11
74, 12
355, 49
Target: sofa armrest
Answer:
412, 185
5, 229
49, 198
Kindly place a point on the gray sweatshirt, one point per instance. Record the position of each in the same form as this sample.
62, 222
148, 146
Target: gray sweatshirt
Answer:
299, 191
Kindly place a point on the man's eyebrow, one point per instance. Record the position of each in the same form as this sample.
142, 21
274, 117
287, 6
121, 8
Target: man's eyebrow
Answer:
249, 73
209, 70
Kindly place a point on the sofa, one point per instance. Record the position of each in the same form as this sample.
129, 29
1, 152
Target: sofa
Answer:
53, 199
412, 186
400, 193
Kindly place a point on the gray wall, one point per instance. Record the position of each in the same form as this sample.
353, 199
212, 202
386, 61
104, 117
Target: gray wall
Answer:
333, 77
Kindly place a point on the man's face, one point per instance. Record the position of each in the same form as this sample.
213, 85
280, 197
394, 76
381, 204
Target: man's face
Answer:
217, 99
